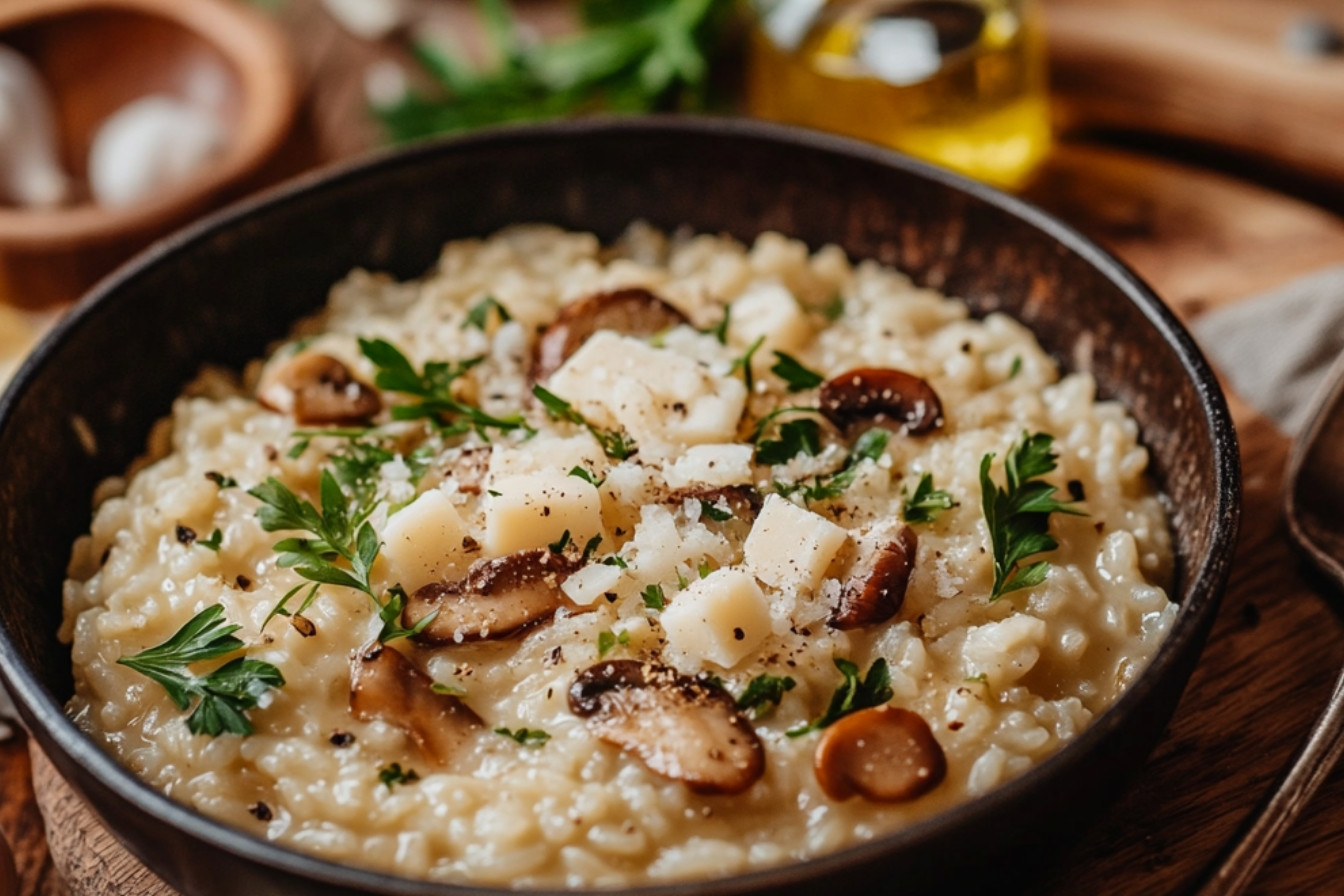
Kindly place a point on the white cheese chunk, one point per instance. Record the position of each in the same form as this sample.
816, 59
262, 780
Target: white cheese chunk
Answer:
1003, 651
789, 546
769, 310
664, 400
532, 510
713, 465
422, 542
720, 619
585, 586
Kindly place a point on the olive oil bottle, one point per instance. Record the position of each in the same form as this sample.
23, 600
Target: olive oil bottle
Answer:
961, 83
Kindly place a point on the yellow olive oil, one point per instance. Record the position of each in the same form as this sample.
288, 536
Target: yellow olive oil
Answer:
961, 83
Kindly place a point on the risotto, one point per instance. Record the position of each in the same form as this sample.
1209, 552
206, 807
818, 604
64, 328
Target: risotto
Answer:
586, 566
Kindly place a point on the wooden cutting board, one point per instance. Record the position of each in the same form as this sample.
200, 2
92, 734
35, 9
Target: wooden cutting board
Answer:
1203, 241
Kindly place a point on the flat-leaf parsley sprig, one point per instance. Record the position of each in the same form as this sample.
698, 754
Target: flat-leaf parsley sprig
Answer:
852, 695
339, 532
616, 444
221, 697
1019, 516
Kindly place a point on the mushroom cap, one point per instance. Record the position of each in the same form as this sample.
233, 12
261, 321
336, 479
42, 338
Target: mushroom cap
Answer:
634, 311
876, 588
687, 729
884, 754
882, 396
317, 389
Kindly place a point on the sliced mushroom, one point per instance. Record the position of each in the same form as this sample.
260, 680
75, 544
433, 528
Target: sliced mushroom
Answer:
683, 728
884, 754
498, 597
882, 396
317, 389
385, 685
633, 311
876, 586
742, 500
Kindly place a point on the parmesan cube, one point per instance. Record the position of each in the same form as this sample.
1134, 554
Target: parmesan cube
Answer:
532, 510
769, 310
664, 400
714, 465
720, 618
422, 542
789, 546
588, 584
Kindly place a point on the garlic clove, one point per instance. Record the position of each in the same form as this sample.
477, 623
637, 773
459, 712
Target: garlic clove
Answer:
30, 173
147, 146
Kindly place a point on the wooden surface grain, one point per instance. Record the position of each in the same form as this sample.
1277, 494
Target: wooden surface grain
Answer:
1203, 241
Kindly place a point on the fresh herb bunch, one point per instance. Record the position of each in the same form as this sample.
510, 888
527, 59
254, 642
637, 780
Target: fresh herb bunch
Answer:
632, 56
433, 385
221, 697
340, 531
1019, 516
852, 695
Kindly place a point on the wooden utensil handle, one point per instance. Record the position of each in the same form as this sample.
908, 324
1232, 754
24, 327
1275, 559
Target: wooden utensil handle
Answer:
1215, 72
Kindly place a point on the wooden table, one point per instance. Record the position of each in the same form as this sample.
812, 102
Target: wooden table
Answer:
1203, 241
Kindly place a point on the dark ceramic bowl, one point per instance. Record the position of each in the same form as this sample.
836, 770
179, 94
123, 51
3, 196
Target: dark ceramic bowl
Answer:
223, 289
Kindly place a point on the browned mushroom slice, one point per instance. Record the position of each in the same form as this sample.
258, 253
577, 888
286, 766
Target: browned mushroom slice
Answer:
385, 686
633, 311
317, 389
682, 728
876, 586
882, 396
884, 754
743, 501
498, 597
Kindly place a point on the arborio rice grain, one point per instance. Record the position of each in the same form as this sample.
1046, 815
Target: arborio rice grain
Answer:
1000, 684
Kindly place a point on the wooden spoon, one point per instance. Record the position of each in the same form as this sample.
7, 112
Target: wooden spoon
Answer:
1314, 508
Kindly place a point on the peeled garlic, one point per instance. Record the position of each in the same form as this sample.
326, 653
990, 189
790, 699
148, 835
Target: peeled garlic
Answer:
367, 19
30, 174
150, 144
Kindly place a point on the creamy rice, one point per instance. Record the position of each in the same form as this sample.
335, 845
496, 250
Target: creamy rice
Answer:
1001, 684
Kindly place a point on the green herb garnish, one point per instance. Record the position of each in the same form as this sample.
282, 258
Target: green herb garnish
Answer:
221, 480
834, 309
714, 512
926, 502
214, 542
868, 446
448, 690
395, 774
558, 546
763, 694
794, 374
1015, 368
720, 330
479, 314
616, 445
1019, 516
607, 641
527, 737
795, 437
744, 363
433, 385
852, 695
587, 476
653, 597
221, 697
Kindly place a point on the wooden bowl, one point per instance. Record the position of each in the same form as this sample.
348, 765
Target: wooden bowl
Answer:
82, 405
97, 55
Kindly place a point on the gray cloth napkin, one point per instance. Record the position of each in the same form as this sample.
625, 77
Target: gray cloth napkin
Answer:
1275, 349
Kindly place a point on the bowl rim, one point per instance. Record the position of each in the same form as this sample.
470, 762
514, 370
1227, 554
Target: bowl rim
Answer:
259, 56
55, 731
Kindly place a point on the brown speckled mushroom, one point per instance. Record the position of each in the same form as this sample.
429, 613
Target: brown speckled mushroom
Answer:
881, 396
683, 728
384, 685
317, 389
884, 754
498, 597
634, 311
876, 586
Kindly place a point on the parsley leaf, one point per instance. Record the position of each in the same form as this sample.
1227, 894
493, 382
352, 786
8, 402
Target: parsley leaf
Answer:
714, 512
558, 546
852, 695
587, 476
449, 690
1018, 516
479, 314
792, 372
925, 503
834, 309
868, 446
607, 641
221, 480
616, 445
653, 598
214, 542
221, 697
720, 330
1015, 368
395, 774
744, 363
763, 694
433, 385
795, 437
527, 737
